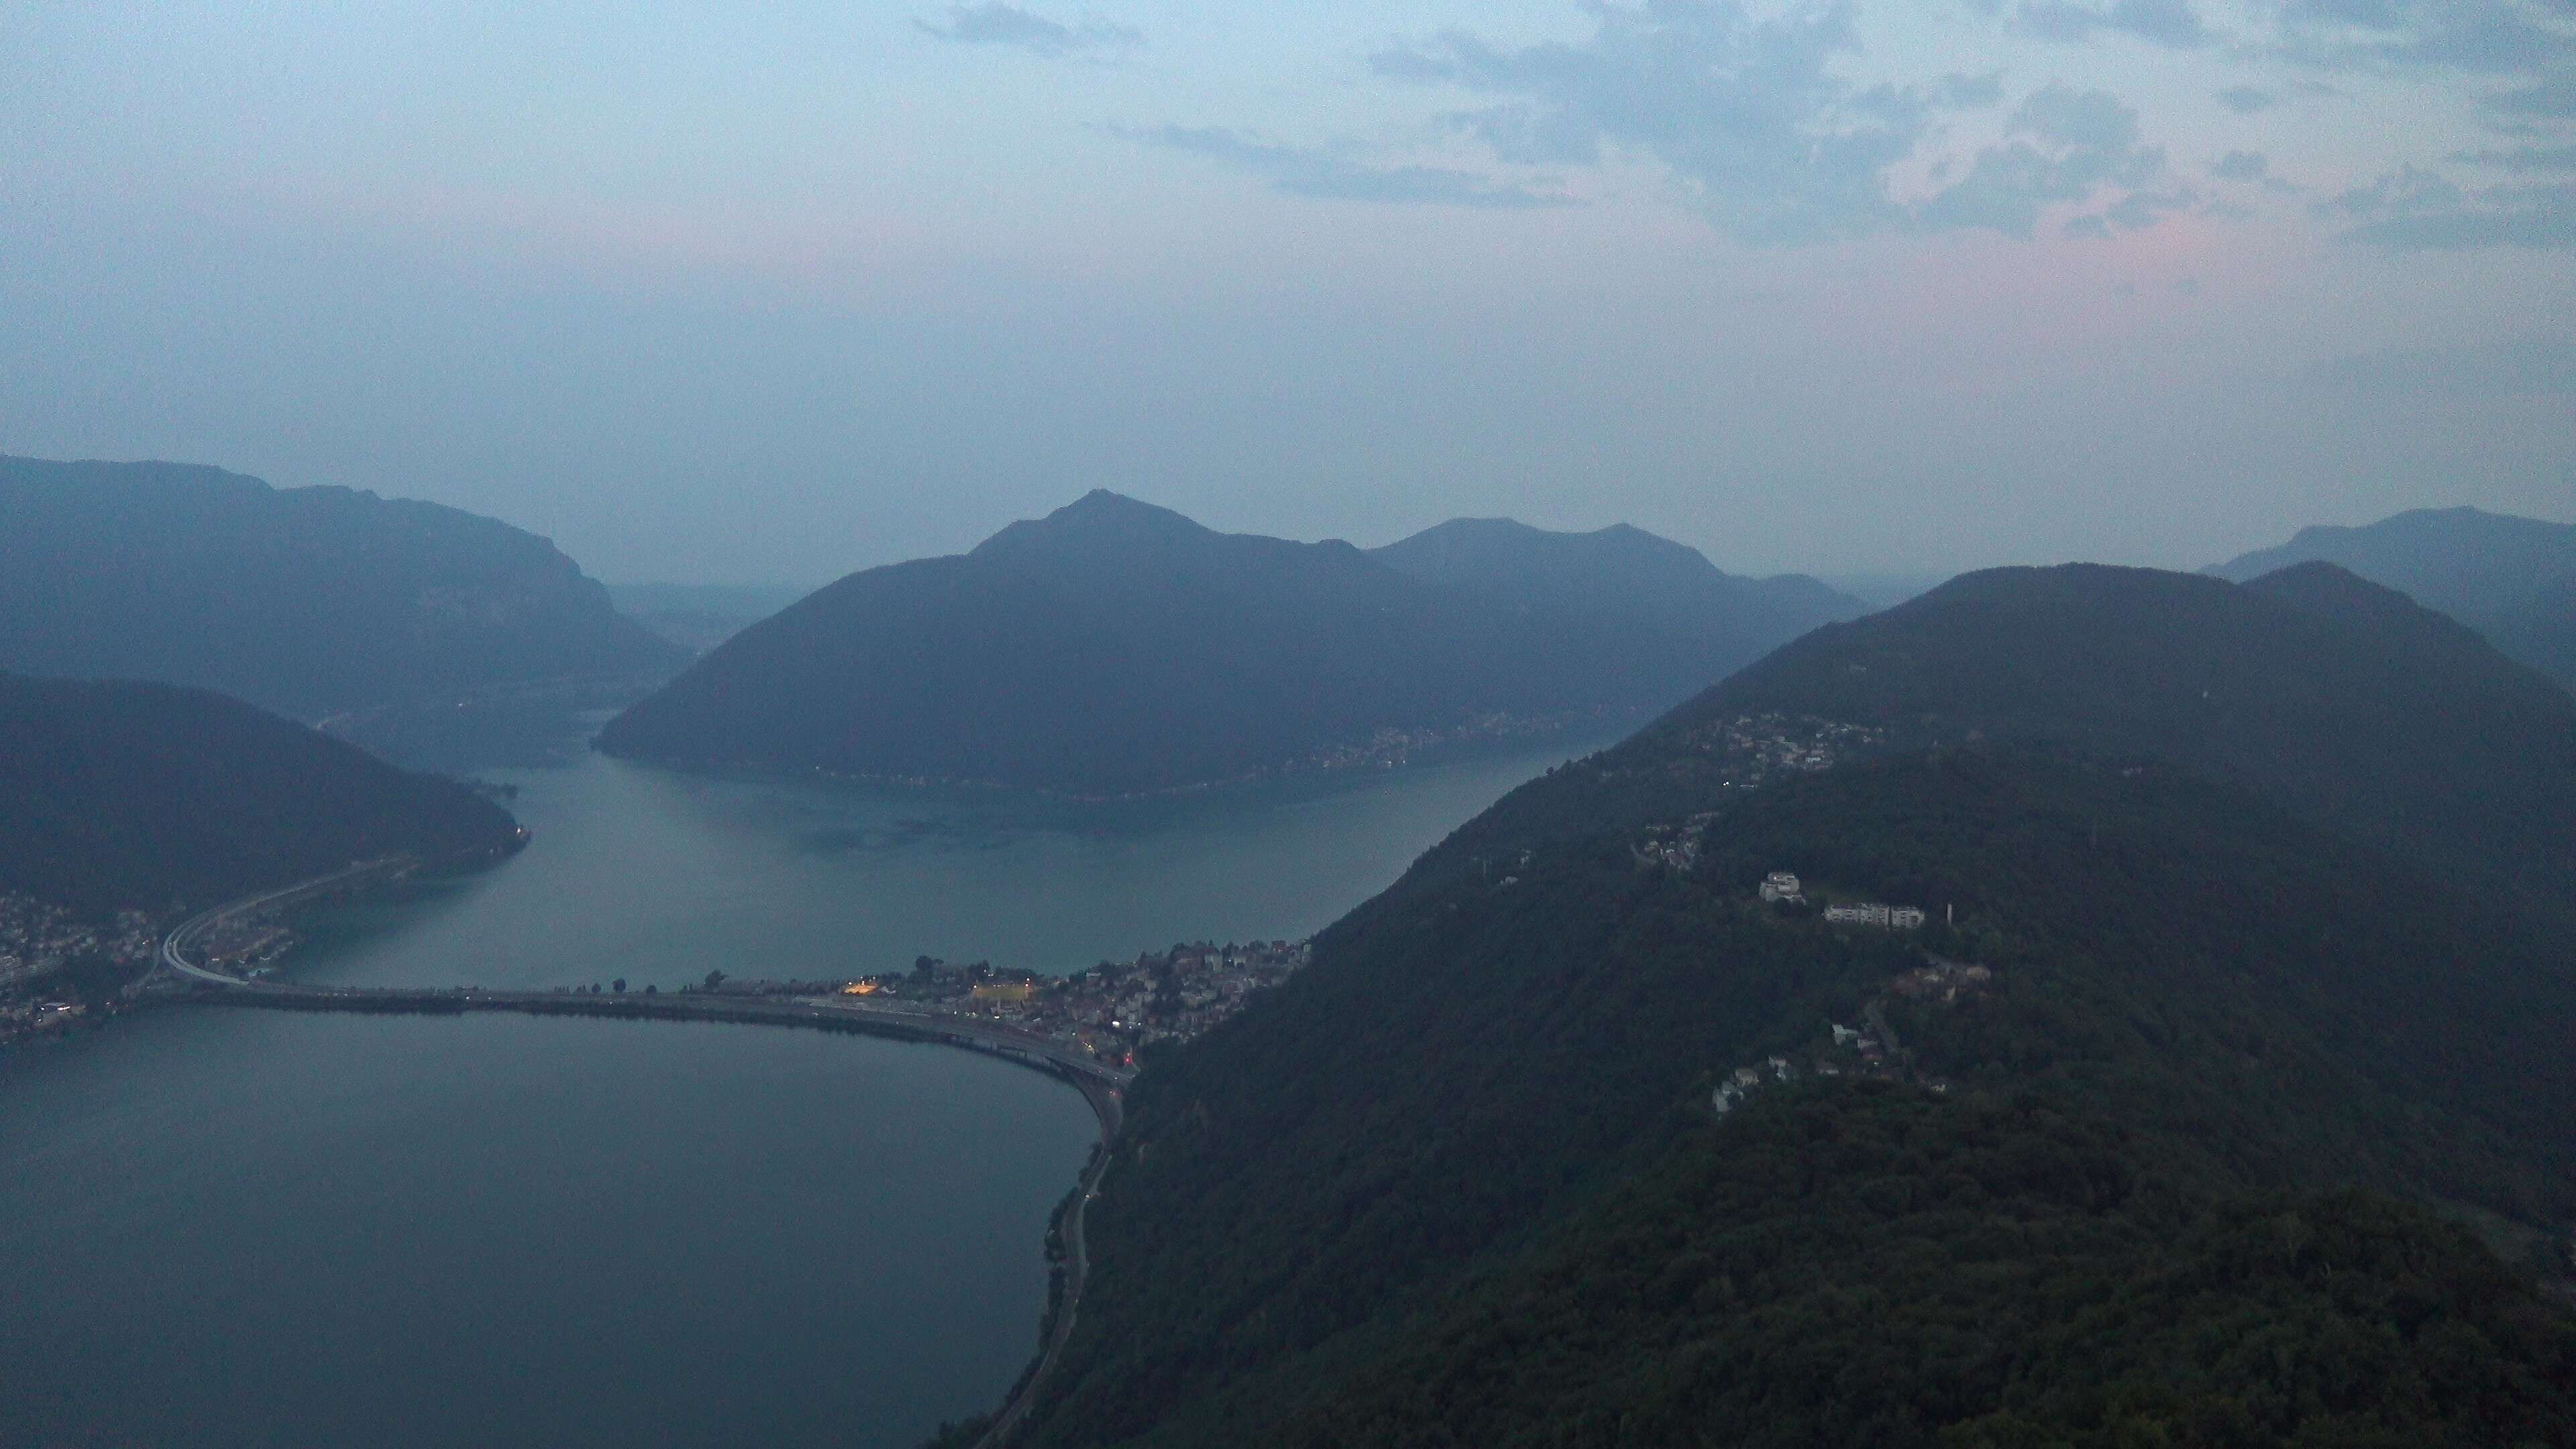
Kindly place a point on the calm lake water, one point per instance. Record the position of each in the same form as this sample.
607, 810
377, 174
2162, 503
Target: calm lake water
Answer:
255, 1228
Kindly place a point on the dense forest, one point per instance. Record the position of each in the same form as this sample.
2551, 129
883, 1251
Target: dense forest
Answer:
1114, 648
306, 601
118, 795
2343, 701
2252, 1135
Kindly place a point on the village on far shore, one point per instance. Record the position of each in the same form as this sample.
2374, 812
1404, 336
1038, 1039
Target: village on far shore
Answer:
1109, 1011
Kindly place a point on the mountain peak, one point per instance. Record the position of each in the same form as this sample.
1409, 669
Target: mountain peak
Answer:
1096, 521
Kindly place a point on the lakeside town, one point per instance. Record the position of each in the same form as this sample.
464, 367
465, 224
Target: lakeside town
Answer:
57, 968
1108, 1012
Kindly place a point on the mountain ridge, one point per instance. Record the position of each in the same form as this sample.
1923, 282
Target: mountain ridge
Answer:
1116, 647
122, 794
1461, 1181
2511, 578
307, 601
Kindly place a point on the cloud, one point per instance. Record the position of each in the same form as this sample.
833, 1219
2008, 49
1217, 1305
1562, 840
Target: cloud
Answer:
1748, 113
1974, 91
2537, 217
2063, 145
2521, 365
999, 24
1743, 111
2242, 166
1307, 172
2418, 210
2521, 158
2165, 22
2406, 192
2091, 227
2140, 210
2488, 37
2553, 99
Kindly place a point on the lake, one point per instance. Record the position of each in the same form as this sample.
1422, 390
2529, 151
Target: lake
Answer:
256, 1228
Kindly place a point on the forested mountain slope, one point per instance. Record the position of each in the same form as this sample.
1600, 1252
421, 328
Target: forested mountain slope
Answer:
305, 601
122, 795
2341, 700
2203, 1133
1114, 647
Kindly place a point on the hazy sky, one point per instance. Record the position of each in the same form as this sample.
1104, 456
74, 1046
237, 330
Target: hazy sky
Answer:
775, 291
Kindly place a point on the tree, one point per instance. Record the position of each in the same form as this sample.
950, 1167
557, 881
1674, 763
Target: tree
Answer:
618, 985
714, 979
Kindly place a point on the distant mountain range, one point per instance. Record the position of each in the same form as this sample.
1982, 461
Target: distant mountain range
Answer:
2512, 579
1114, 647
117, 795
2256, 1023
306, 601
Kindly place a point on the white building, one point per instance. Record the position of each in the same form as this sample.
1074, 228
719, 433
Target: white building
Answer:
1780, 885
1876, 913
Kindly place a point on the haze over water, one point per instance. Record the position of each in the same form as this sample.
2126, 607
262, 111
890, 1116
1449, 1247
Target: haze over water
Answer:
659, 877
284, 1229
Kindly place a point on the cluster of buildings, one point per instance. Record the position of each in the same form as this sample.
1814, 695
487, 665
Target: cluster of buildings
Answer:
1869, 1051
1875, 913
245, 945
1389, 747
1944, 980
1782, 887
1751, 750
1106, 1012
1675, 846
38, 940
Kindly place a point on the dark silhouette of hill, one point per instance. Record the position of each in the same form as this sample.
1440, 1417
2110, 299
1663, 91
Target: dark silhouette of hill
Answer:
2345, 702
118, 795
1113, 647
2541, 630
307, 601
1621, 573
2260, 1036
2512, 579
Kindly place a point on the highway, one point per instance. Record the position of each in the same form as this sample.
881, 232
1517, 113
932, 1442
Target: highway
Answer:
174, 947
827, 1013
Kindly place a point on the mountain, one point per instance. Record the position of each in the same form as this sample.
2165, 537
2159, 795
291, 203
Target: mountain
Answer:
2200, 1111
306, 601
1113, 647
117, 795
2342, 701
2513, 579
1620, 573
2540, 630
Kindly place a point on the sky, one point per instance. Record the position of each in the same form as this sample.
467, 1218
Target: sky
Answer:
767, 293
